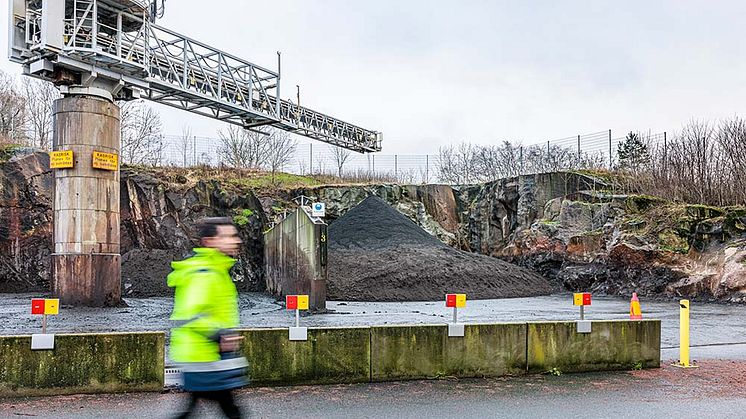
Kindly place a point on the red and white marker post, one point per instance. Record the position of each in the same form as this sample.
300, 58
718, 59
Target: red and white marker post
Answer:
297, 303
456, 301
44, 307
582, 299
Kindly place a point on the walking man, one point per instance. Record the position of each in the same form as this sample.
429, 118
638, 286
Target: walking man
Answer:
205, 312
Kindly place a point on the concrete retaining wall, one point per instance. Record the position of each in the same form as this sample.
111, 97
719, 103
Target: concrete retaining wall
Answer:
412, 352
333, 355
125, 362
82, 363
611, 345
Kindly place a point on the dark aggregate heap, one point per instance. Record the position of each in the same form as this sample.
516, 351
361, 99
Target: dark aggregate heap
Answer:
378, 254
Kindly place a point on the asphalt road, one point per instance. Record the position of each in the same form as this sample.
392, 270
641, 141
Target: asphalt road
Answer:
715, 390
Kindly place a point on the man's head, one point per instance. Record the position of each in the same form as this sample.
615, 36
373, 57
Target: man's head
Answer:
219, 233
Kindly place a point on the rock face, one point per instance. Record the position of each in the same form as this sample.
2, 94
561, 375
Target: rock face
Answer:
25, 224
157, 226
378, 254
567, 227
623, 244
570, 229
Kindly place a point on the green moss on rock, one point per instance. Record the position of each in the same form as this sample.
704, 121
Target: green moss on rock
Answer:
670, 241
702, 212
242, 216
640, 203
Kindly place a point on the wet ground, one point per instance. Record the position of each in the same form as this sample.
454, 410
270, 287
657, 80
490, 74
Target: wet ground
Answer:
715, 390
717, 330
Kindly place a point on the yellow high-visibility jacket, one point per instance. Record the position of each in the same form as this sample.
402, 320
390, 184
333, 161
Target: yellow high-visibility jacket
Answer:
205, 304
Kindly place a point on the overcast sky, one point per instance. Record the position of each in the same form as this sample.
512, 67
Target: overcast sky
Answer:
429, 73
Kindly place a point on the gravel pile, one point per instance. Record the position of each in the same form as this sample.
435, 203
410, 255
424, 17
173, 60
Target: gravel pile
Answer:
378, 254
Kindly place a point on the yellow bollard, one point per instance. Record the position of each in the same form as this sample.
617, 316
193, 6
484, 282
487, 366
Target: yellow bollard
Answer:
684, 335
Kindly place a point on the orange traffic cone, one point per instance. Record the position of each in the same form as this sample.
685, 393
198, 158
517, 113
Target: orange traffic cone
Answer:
635, 312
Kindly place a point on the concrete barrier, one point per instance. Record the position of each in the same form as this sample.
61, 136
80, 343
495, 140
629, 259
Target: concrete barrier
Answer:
125, 362
416, 352
611, 345
82, 363
330, 355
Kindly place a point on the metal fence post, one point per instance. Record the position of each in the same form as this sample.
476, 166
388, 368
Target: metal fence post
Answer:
427, 168
310, 158
396, 166
578, 148
665, 155
611, 161
520, 159
194, 151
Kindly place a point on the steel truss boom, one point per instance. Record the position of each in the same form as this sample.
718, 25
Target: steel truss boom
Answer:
115, 40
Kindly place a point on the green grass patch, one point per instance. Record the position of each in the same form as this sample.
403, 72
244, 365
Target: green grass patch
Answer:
278, 181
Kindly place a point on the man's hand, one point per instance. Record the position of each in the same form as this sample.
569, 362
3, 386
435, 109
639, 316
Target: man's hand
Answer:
230, 343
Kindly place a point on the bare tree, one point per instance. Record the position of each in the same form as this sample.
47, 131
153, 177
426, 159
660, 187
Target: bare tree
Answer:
467, 163
496, 162
446, 163
280, 150
320, 165
302, 166
560, 158
187, 145
693, 154
456, 165
243, 148
141, 131
232, 146
731, 138
40, 96
340, 156
407, 176
12, 111
425, 173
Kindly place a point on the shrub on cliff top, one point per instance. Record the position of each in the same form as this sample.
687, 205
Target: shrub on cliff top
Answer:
7, 151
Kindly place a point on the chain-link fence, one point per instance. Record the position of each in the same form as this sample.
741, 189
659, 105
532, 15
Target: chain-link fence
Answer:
584, 151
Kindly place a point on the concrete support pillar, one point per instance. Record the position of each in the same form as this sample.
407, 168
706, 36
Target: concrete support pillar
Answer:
86, 262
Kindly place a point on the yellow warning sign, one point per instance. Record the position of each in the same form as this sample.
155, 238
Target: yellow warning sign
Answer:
61, 159
581, 299
302, 302
52, 307
105, 161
